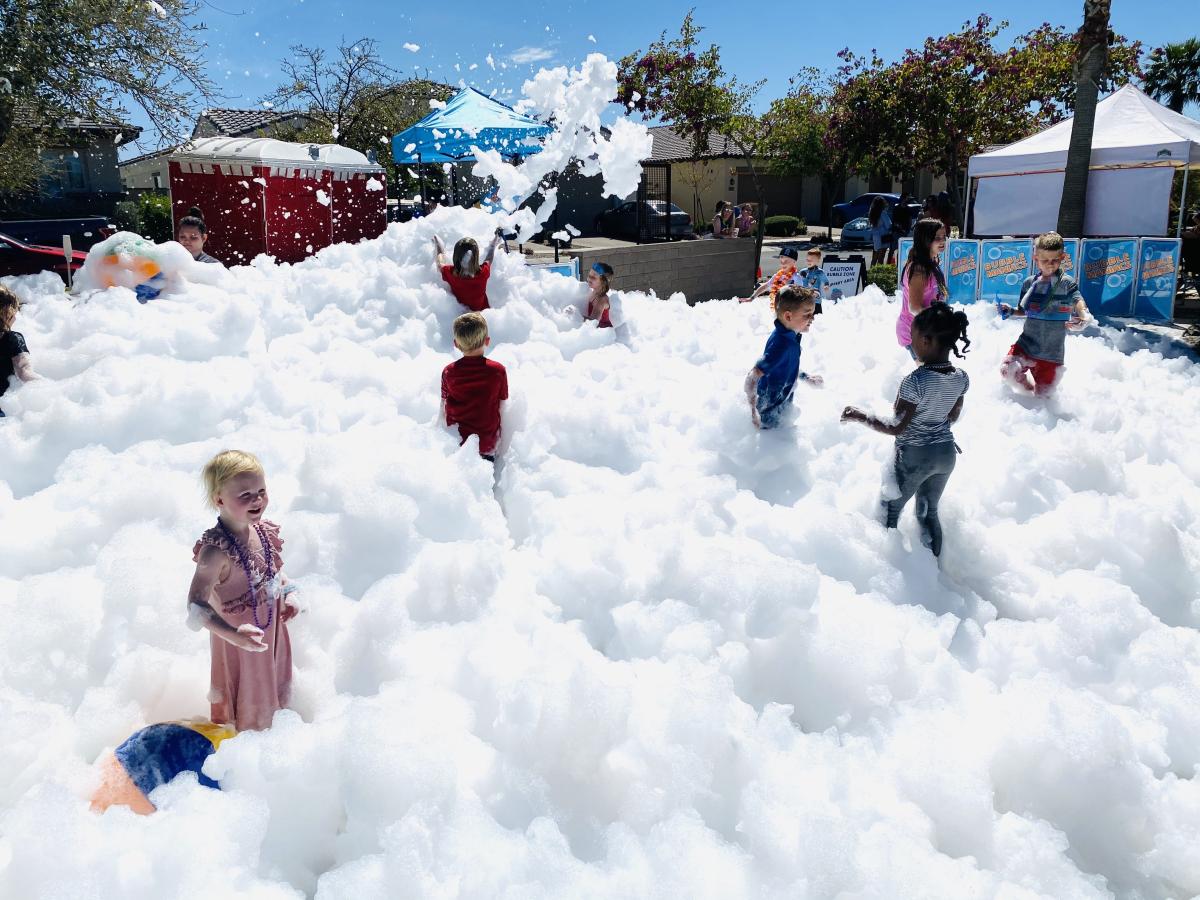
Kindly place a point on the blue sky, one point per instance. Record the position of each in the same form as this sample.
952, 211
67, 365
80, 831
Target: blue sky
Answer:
248, 38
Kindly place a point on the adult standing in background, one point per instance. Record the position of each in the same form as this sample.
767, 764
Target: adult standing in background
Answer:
880, 217
723, 223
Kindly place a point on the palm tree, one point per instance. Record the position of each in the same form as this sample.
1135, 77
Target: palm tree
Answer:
1091, 56
1173, 74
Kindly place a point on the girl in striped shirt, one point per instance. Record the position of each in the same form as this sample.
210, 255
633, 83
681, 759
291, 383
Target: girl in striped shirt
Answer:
929, 401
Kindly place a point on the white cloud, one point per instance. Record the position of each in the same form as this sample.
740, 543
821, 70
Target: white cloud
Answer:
410, 46
525, 55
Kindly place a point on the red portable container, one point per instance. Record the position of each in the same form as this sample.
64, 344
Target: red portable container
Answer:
260, 195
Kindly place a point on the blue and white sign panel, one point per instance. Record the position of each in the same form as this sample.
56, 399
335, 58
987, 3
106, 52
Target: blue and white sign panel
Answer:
1070, 264
1106, 276
962, 277
1158, 272
1003, 266
568, 267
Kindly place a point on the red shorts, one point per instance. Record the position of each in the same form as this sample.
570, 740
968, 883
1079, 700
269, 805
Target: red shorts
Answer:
1044, 373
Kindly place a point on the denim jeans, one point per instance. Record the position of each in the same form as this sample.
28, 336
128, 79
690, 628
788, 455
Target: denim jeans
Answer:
924, 471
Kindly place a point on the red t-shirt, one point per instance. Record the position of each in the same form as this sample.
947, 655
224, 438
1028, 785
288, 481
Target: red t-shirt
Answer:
470, 292
473, 388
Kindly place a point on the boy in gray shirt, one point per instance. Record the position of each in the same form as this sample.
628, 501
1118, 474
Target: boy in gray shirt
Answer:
1051, 305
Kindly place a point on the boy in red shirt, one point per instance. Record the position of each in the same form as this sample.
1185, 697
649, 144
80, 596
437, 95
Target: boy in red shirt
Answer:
474, 386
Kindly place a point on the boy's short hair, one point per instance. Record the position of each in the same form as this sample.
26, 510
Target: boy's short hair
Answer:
225, 465
470, 331
814, 251
791, 297
1050, 242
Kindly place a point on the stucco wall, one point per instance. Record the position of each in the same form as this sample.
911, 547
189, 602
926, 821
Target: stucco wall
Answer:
701, 269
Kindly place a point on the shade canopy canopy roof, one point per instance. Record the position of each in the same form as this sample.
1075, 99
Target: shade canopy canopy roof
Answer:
469, 119
1130, 130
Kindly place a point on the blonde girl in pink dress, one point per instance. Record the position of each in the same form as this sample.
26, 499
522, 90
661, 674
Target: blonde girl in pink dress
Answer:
240, 594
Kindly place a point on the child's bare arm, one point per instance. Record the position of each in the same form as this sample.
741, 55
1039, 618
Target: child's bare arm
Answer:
209, 568
753, 377
23, 366
916, 290
439, 251
491, 250
957, 410
903, 413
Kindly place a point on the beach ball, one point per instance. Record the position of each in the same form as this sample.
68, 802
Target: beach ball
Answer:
133, 262
154, 756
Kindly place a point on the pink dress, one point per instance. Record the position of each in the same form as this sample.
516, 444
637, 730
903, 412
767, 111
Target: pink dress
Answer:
932, 294
246, 686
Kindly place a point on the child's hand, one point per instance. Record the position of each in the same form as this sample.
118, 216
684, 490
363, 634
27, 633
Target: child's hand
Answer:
248, 637
438, 245
1005, 310
1075, 323
853, 414
289, 609
814, 381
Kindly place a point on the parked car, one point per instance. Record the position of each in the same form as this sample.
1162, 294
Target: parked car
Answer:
856, 234
861, 205
622, 222
19, 258
85, 231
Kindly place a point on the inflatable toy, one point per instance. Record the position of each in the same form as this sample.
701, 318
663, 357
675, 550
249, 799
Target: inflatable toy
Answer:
154, 756
128, 260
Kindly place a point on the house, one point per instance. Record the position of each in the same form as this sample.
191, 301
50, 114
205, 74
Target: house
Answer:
81, 176
721, 172
148, 173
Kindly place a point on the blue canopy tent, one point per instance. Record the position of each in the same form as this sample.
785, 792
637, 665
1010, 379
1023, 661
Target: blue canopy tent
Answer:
469, 119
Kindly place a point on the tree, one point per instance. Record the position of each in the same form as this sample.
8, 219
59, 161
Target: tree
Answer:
795, 136
1173, 74
93, 59
686, 88
354, 99
1092, 40
958, 93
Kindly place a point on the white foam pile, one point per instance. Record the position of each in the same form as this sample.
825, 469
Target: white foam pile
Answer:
666, 656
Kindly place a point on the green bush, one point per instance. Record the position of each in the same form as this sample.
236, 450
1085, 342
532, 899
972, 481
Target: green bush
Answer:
127, 216
784, 226
155, 211
884, 277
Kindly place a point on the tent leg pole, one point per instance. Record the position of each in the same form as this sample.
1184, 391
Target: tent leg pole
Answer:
421, 181
1182, 202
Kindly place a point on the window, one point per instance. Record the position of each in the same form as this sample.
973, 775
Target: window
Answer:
157, 177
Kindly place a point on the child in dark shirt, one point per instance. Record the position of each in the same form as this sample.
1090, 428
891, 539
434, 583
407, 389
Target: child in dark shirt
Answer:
770, 385
14, 354
467, 276
474, 387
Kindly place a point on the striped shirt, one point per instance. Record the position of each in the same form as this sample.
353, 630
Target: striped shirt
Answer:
934, 394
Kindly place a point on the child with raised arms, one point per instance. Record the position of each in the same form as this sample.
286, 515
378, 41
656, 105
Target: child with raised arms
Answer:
783, 277
1051, 306
240, 594
771, 385
467, 276
928, 402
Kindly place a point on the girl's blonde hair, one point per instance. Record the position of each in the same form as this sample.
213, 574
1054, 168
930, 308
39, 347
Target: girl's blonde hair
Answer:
10, 303
225, 465
464, 266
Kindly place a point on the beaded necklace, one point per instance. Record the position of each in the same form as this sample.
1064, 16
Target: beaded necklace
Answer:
244, 559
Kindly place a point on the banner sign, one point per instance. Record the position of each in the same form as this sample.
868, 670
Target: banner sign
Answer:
1106, 276
961, 277
1158, 272
568, 267
1070, 264
1003, 267
845, 278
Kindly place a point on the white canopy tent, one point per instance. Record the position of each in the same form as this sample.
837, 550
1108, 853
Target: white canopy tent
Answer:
1137, 144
